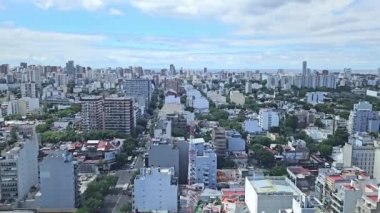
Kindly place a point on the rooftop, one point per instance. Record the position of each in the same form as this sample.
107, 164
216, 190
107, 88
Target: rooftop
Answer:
277, 185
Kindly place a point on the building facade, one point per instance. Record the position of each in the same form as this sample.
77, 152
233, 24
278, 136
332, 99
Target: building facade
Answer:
155, 189
268, 118
19, 169
59, 187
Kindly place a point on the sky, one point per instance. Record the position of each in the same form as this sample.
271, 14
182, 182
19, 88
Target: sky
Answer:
229, 34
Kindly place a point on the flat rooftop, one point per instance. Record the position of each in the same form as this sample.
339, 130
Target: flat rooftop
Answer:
277, 186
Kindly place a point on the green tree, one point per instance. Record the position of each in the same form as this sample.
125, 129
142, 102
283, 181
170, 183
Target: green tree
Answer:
278, 171
291, 122
319, 123
325, 150
126, 208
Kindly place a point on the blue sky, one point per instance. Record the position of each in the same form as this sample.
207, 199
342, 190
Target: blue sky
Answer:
254, 34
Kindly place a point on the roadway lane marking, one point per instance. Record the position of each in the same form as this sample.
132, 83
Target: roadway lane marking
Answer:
118, 200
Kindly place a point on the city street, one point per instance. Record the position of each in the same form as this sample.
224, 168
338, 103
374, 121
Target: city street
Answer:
116, 199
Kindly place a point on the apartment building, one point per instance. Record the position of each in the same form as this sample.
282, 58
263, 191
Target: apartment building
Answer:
92, 113
202, 164
118, 114
275, 194
140, 89
360, 151
59, 187
155, 189
19, 169
219, 140
268, 118
363, 119
111, 113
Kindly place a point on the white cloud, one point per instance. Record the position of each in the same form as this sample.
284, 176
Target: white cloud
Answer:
20, 44
115, 12
90, 5
279, 21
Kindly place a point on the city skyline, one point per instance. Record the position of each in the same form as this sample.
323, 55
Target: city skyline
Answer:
192, 34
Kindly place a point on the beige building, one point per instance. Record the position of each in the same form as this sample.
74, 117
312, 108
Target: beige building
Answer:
237, 98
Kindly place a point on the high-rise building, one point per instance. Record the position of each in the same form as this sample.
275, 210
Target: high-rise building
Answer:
268, 118
363, 119
360, 152
92, 113
28, 90
219, 141
155, 189
70, 68
172, 70
202, 164
275, 194
4, 68
24, 65
111, 113
248, 87
19, 169
138, 89
165, 155
304, 68
60, 79
118, 114
59, 182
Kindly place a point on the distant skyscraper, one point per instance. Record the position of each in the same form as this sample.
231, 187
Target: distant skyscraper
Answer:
70, 68
304, 68
23, 65
4, 68
28, 90
378, 72
172, 70
138, 89
205, 69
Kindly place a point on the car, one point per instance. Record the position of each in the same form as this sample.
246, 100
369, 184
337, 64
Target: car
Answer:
132, 166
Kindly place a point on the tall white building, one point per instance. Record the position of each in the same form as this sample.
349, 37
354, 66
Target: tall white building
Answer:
248, 87
28, 90
59, 182
315, 98
202, 164
360, 152
155, 189
19, 169
273, 194
363, 119
268, 118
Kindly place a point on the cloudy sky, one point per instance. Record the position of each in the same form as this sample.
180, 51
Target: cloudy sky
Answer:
330, 34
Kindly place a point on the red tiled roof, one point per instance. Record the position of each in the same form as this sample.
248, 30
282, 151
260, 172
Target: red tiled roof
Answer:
372, 187
373, 198
232, 192
299, 170
335, 178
